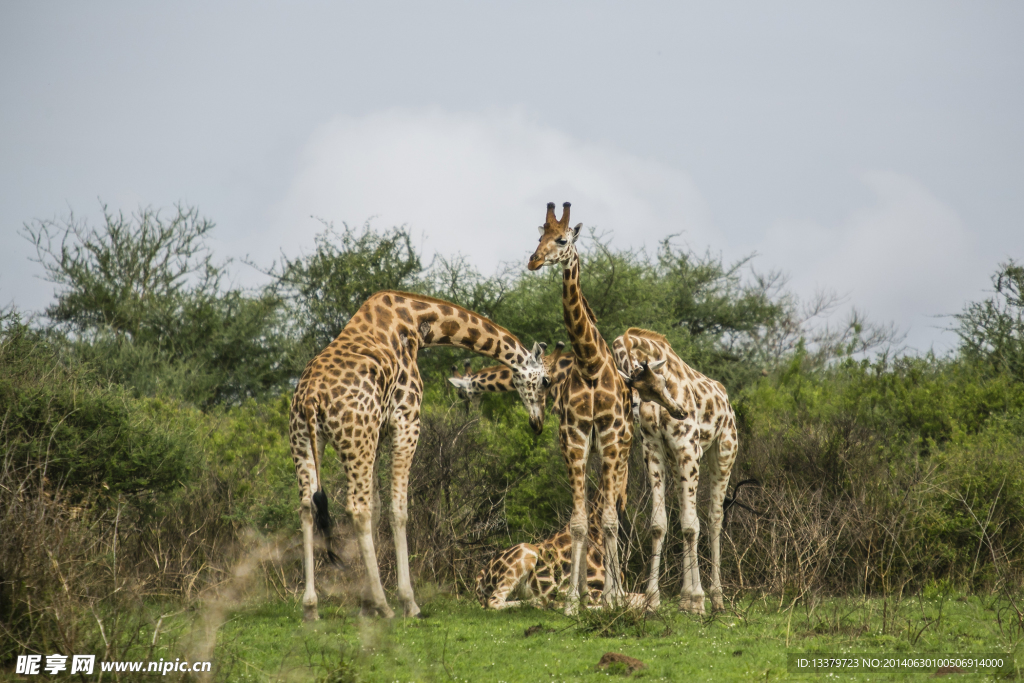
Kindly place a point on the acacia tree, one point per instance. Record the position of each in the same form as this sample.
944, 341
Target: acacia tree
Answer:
327, 287
141, 297
122, 276
992, 331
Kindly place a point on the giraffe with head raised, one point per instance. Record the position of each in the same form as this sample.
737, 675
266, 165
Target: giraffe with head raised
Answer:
367, 378
685, 417
593, 406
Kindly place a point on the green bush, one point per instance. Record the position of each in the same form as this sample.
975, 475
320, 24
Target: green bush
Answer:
58, 418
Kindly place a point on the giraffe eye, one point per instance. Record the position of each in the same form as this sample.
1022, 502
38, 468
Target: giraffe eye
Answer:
546, 382
561, 241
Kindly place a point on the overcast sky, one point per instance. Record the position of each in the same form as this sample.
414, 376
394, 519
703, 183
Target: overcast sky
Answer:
875, 149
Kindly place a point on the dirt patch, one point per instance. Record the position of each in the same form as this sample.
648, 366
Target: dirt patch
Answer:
613, 661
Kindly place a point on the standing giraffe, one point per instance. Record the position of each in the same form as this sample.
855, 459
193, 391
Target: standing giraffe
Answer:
366, 378
688, 416
593, 407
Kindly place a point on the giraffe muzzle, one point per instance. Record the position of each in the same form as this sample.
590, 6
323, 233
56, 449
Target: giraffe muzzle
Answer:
537, 424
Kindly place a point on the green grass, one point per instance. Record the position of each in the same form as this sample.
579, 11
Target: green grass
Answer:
458, 641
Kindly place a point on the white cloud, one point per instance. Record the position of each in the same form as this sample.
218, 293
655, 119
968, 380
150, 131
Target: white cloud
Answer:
906, 258
477, 184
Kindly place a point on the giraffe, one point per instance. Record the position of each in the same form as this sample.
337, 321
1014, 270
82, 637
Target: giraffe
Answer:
366, 378
540, 573
497, 378
684, 417
593, 407
471, 385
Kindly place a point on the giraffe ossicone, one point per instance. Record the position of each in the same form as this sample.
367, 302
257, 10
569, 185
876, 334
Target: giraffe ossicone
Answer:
368, 378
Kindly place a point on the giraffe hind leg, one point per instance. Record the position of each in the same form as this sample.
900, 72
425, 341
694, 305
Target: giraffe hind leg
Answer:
358, 453
405, 432
303, 442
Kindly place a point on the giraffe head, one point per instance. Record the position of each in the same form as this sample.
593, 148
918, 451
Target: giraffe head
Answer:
557, 239
463, 383
471, 386
531, 380
648, 383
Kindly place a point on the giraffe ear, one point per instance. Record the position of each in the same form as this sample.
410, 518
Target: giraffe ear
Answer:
657, 364
576, 232
538, 350
460, 382
540, 229
625, 378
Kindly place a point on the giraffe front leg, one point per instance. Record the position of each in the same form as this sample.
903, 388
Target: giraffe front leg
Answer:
613, 593
654, 457
578, 533
721, 468
686, 460
575, 454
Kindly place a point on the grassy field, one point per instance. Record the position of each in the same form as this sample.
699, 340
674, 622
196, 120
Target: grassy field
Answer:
458, 641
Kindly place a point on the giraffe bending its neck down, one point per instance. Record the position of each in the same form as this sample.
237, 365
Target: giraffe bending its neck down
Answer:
366, 378
593, 406
687, 417
497, 378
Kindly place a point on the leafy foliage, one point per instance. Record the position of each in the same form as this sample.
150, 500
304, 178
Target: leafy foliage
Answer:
143, 302
59, 421
326, 287
992, 331
154, 380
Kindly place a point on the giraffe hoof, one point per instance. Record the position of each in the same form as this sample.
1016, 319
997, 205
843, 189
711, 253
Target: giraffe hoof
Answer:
370, 611
693, 604
310, 614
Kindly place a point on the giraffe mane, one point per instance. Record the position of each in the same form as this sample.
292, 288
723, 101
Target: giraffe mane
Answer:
648, 334
434, 300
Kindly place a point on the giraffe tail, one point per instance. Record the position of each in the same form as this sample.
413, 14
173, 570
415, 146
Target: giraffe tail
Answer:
321, 516
323, 524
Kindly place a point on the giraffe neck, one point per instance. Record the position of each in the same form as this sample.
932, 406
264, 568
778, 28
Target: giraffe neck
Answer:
589, 346
497, 378
643, 345
441, 323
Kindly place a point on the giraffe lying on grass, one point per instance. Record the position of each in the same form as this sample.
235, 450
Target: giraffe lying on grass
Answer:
366, 378
539, 574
